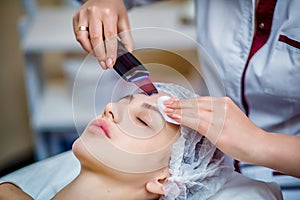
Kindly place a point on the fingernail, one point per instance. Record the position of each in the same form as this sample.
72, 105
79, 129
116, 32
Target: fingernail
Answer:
108, 62
168, 102
176, 116
169, 110
103, 64
171, 101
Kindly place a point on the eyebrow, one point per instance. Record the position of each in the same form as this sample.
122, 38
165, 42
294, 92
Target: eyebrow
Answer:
144, 105
127, 97
151, 107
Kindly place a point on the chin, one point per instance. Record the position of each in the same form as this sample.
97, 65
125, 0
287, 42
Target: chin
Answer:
86, 159
82, 154
78, 149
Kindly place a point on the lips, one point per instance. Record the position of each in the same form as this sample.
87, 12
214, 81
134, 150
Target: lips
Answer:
99, 126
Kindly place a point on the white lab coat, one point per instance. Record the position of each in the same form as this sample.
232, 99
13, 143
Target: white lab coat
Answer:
272, 88
225, 30
272, 83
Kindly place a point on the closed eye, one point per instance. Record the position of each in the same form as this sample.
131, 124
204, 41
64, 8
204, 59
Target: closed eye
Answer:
142, 121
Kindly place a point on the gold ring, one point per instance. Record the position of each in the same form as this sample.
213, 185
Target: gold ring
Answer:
83, 28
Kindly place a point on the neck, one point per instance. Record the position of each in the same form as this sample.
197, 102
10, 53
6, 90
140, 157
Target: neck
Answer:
89, 185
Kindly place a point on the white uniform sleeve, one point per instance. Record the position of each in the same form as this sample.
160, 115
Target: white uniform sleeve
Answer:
240, 187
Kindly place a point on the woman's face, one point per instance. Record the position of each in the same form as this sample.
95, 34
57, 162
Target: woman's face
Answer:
129, 136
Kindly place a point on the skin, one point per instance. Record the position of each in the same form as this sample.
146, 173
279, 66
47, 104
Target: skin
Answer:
97, 179
10, 191
106, 20
224, 124
229, 128
127, 133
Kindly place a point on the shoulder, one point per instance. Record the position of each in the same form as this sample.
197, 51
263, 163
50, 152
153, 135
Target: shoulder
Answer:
43, 179
11, 191
239, 187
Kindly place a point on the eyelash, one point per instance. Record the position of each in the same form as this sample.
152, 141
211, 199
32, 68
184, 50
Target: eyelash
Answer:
140, 120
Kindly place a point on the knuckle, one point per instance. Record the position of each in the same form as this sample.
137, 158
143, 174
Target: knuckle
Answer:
110, 34
79, 37
80, 14
108, 11
227, 100
95, 37
100, 54
100, 58
92, 9
74, 17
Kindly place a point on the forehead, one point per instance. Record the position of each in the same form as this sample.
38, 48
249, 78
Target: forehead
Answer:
144, 97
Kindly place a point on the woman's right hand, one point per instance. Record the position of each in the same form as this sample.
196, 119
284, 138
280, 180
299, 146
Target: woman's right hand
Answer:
105, 19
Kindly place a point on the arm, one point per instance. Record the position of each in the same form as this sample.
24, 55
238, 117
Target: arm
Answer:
10, 191
225, 125
282, 153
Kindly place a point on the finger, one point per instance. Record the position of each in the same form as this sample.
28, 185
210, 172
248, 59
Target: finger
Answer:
200, 122
125, 33
181, 103
82, 36
202, 103
111, 42
96, 37
75, 22
209, 122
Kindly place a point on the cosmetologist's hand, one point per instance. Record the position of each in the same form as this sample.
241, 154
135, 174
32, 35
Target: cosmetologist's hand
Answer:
96, 26
219, 120
224, 124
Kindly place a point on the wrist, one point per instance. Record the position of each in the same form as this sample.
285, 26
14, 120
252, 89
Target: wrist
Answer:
258, 148
248, 147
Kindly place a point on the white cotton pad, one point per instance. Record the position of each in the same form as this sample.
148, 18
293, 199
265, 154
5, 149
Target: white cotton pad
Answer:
161, 108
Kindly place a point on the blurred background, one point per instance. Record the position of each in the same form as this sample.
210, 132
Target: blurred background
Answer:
39, 60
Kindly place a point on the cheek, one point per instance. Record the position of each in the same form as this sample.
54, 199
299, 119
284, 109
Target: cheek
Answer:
161, 140
132, 128
103, 154
130, 141
122, 152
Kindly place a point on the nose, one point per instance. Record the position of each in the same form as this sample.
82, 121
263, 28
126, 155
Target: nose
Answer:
111, 112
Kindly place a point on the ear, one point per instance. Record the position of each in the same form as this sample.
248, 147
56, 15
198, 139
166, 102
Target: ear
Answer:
155, 185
